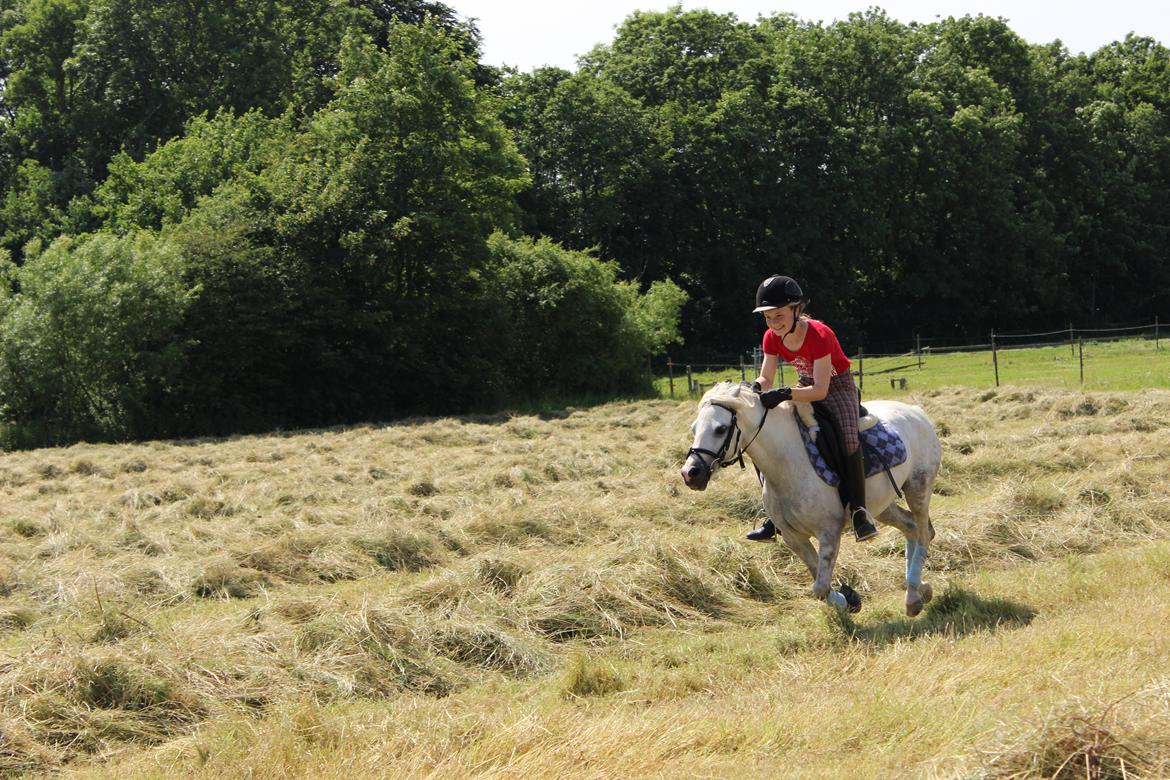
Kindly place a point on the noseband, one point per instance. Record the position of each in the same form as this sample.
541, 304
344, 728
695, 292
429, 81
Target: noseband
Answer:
718, 457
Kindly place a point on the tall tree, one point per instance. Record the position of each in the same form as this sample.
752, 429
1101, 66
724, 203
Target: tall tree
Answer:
369, 231
593, 155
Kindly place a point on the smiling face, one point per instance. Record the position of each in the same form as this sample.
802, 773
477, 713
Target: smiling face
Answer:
781, 319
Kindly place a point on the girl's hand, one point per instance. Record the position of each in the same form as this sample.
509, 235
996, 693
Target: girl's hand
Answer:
772, 398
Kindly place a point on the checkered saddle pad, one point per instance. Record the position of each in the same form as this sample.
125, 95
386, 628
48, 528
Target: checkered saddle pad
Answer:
881, 445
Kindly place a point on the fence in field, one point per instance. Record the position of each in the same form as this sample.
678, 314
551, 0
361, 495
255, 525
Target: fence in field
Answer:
693, 379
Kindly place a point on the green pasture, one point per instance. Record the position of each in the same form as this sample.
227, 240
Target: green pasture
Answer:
1130, 364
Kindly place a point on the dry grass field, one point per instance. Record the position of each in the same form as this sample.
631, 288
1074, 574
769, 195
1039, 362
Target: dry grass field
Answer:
527, 596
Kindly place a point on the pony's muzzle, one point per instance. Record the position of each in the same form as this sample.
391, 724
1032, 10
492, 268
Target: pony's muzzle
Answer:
695, 473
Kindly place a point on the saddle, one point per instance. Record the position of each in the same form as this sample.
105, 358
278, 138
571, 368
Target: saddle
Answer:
829, 440
816, 416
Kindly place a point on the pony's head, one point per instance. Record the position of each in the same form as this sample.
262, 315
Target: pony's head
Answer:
718, 437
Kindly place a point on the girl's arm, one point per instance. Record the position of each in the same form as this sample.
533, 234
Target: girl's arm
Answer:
822, 373
768, 370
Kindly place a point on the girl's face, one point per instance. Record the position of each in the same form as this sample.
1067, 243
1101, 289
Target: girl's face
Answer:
780, 320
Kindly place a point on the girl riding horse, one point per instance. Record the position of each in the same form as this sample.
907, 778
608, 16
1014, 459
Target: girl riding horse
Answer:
812, 349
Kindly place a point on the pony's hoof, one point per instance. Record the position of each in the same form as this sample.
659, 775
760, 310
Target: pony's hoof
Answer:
852, 598
920, 599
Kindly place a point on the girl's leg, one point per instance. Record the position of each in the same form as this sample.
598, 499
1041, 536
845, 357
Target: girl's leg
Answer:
843, 405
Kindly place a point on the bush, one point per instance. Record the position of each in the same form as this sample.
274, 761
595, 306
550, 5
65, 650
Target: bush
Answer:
89, 342
574, 327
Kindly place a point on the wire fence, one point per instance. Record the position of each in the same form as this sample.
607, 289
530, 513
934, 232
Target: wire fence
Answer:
693, 379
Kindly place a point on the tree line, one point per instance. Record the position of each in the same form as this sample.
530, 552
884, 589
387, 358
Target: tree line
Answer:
230, 216
227, 216
943, 178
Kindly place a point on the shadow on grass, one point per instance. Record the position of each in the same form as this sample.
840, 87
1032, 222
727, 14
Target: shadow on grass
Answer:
957, 612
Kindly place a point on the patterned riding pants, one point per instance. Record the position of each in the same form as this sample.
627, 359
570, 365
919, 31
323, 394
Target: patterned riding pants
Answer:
842, 402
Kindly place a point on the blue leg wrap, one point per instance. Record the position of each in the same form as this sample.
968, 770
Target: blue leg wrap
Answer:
914, 564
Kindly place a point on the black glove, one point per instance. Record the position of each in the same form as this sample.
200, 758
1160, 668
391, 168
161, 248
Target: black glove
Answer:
772, 398
755, 388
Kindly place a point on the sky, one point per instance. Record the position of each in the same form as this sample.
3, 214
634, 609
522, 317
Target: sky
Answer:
530, 33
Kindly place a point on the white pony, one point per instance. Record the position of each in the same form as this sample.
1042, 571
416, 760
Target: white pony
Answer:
732, 421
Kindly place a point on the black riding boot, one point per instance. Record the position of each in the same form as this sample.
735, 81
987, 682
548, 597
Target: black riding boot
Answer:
863, 527
764, 533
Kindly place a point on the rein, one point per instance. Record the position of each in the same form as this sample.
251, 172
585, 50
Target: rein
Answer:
734, 430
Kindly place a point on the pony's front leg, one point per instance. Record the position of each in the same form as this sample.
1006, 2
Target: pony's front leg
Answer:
847, 598
827, 561
800, 545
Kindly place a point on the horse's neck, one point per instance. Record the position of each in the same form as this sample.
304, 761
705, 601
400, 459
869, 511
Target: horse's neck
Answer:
778, 451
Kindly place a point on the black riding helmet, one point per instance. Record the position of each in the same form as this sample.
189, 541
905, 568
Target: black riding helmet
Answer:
777, 291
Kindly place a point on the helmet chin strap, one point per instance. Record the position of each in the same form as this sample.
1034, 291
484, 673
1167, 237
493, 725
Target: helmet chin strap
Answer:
795, 318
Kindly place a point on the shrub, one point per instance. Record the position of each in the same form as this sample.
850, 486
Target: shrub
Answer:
89, 345
574, 326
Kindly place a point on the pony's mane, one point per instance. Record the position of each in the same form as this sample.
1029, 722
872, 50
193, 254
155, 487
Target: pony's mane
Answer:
720, 391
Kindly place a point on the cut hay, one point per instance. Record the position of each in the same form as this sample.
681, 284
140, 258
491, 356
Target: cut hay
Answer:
1124, 741
548, 572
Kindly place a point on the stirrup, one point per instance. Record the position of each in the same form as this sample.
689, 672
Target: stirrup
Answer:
863, 527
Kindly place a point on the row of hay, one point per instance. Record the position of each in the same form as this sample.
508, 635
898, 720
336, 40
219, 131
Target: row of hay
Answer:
123, 679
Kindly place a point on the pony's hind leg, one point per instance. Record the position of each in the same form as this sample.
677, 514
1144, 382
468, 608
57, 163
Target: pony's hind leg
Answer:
918, 593
918, 491
918, 499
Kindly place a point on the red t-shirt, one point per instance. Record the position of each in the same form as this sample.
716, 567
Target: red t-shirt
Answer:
819, 340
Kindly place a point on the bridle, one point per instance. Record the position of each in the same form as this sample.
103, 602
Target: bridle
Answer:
717, 457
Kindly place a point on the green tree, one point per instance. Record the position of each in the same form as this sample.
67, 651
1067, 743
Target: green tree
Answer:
593, 155
146, 67
368, 233
29, 207
676, 57
41, 82
1126, 224
163, 188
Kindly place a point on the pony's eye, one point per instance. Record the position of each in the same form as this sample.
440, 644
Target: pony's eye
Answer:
720, 429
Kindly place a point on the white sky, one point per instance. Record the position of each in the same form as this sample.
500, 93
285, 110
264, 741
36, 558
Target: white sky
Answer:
531, 33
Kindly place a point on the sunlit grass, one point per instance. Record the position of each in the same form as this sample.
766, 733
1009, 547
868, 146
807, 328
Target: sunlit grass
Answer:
538, 595
1130, 364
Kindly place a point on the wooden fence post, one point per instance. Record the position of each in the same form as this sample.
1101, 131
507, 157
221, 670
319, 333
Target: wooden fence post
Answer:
1081, 351
918, 348
1071, 341
690, 383
742, 370
1157, 345
670, 373
994, 358
860, 370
